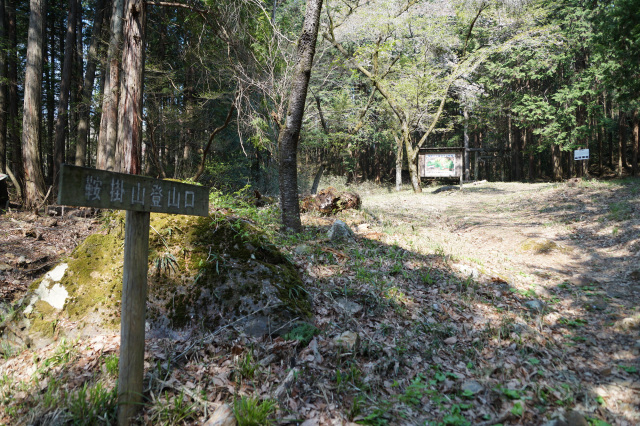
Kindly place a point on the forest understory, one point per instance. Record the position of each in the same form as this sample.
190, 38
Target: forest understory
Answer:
503, 303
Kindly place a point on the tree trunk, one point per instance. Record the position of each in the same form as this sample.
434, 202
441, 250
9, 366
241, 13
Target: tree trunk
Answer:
65, 84
556, 158
130, 104
34, 181
412, 160
87, 86
13, 125
109, 119
621, 143
316, 179
3, 90
517, 163
532, 168
636, 142
600, 130
467, 160
399, 158
288, 140
50, 98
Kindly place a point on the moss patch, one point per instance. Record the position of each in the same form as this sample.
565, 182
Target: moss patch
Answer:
539, 246
203, 271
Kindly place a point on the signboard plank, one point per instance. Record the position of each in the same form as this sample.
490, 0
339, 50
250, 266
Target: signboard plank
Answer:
81, 186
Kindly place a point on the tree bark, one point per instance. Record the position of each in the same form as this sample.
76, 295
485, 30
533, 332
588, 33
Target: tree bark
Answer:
34, 181
13, 125
556, 158
109, 119
636, 142
65, 84
600, 130
288, 139
84, 107
130, 104
3, 89
621, 143
467, 161
399, 159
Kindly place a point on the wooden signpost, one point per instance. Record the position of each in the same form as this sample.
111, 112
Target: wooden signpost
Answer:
138, 195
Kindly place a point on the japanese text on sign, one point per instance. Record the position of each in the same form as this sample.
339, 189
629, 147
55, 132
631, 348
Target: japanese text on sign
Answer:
138, 191
98, 188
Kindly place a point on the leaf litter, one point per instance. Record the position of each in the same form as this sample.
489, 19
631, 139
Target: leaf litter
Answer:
443, 332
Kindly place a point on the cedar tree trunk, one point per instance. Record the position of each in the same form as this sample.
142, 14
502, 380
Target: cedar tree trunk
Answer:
87, 86
130, 106
109, 119
65, 84
34, 181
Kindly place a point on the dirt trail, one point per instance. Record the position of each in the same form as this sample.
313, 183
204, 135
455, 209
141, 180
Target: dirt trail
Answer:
533, 236
573, 246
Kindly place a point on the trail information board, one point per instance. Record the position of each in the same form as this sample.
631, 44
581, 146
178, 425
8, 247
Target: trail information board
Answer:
441, 164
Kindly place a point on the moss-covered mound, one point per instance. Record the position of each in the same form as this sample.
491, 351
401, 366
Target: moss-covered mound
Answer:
204, 272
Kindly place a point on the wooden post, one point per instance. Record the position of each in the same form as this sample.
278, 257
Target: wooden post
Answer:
139, 196
132, 321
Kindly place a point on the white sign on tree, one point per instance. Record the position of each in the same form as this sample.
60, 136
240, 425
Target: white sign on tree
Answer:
581, 154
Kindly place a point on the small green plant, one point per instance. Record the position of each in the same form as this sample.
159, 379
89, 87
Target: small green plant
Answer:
172, 410
510, 393
253, 412
92, 405
379, 415
598, 422
62, 355
111, 364
517, 409
165, 263
415, 391
348, 376
303, 333
578, 322
247, 366
427, 279
628, 369
455, 417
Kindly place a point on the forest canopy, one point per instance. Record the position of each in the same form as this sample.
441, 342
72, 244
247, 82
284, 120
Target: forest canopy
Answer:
199, 90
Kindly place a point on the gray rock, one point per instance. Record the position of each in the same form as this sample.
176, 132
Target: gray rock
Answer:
340, 231
349, 340
349, 306
534, 305
467, 271
472, 386
223, 416
555, 422
575, 419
